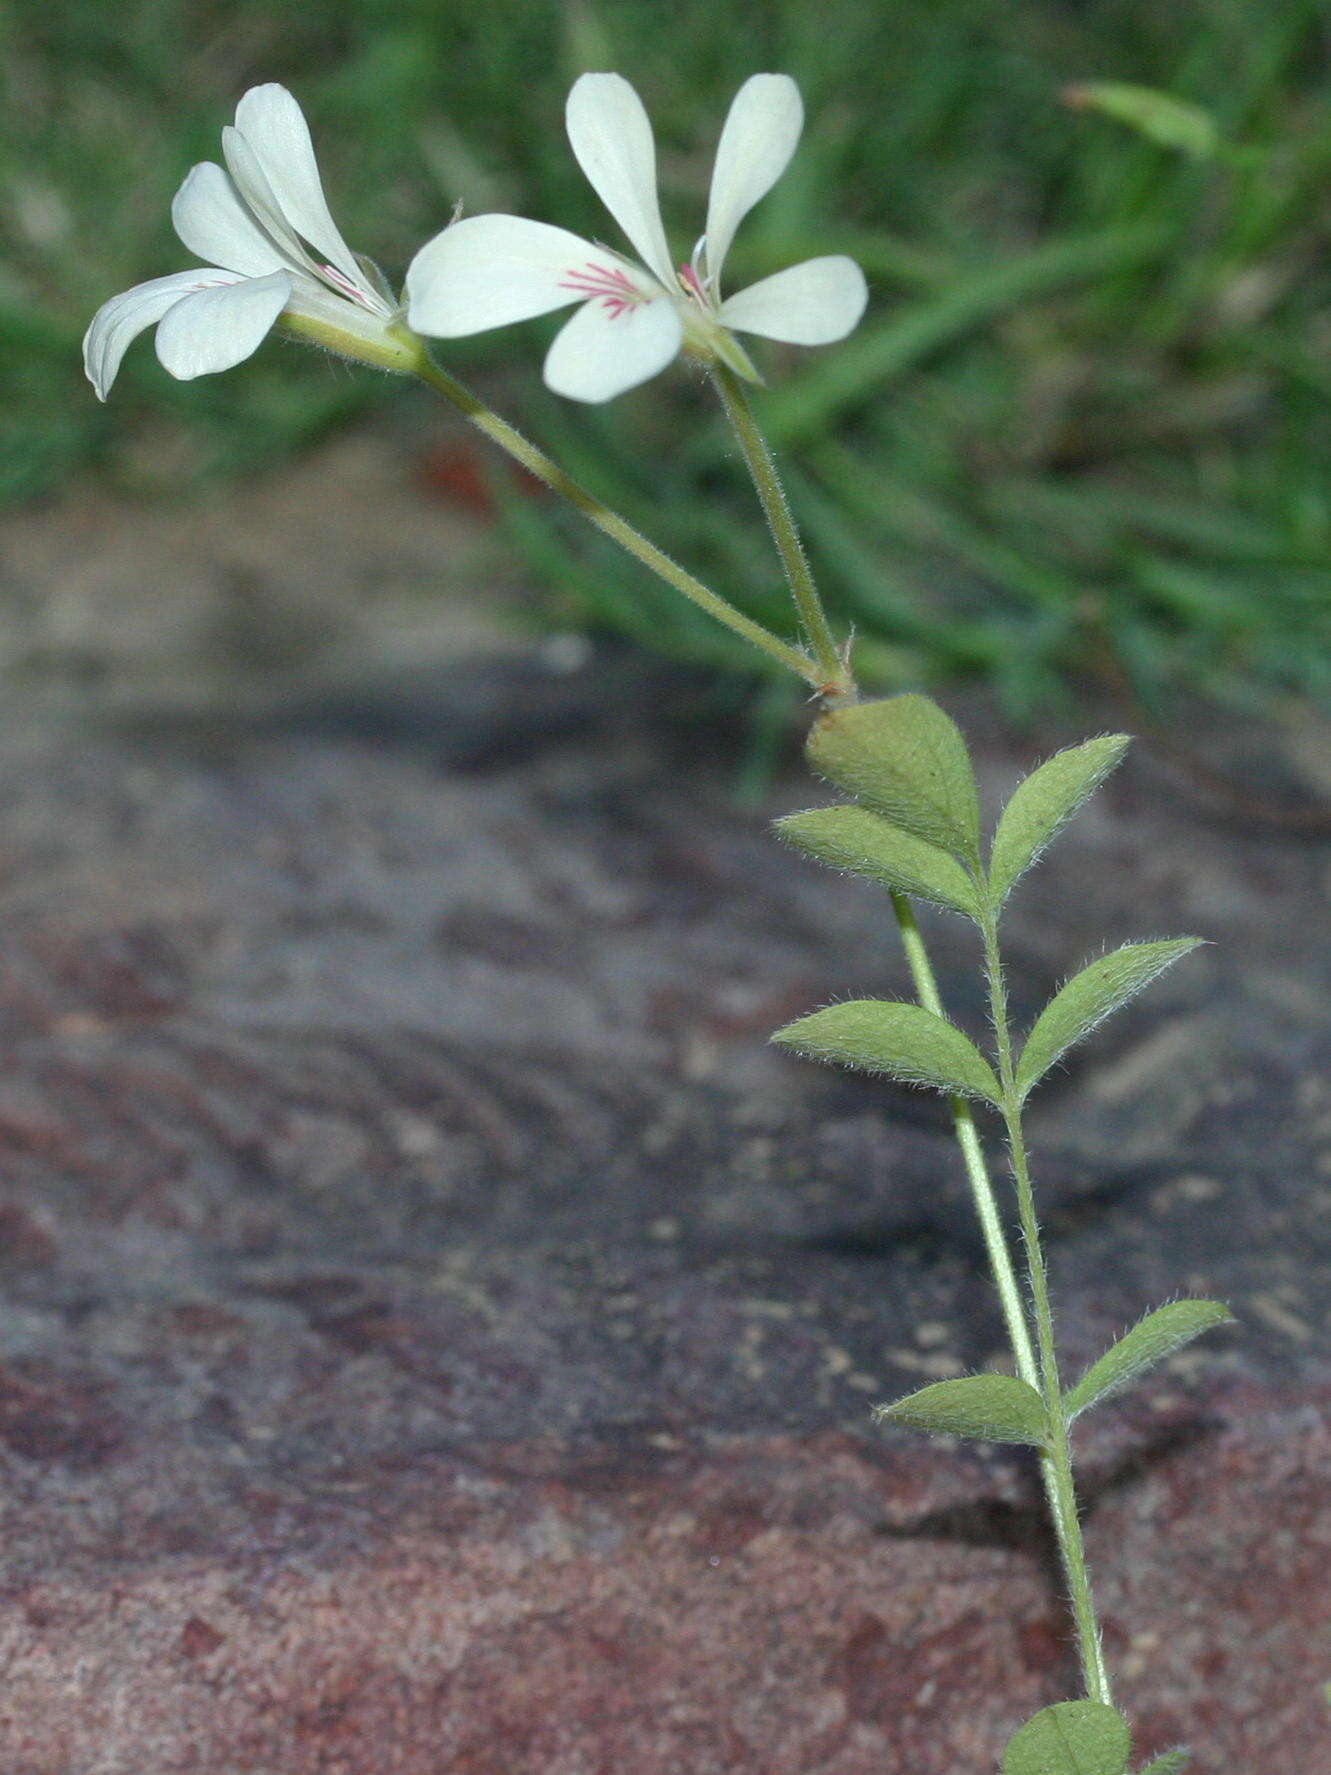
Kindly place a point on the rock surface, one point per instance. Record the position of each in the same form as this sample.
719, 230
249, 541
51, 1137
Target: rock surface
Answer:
438, 1332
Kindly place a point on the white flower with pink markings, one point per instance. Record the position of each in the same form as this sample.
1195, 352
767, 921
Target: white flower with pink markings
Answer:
634, 318
277, 255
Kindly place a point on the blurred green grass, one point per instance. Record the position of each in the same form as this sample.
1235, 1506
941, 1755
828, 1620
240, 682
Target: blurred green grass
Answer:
1085, 419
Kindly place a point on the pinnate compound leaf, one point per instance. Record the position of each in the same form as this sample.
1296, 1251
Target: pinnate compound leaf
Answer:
995, 1407
904, 1041
1070, 1738
904, 758
1090, 997
1171, 1763
1044, 803
1153, 1338
864, 843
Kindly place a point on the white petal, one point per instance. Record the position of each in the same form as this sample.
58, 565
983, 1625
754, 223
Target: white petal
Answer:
258, 196
760, 135
603, 350
809, 304
610, 133
118, 323
212, 221
274, 126
487, 271
219, 327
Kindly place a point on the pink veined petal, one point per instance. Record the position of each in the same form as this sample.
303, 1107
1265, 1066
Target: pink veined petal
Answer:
611, 136
216, 328
488, 271
605, 348
761, 132
809, 304
274, 127
118, 323
212, 221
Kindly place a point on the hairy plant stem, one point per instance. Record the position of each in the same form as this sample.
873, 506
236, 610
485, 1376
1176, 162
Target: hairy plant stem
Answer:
977, 1172
1056, 1461
1039, 1370
767, 482
537, 463
836, 679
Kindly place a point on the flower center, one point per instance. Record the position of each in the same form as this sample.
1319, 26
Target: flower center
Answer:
608, 284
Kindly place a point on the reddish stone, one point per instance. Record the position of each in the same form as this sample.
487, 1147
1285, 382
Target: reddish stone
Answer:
439, 1331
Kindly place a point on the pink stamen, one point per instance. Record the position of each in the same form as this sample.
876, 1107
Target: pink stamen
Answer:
692, 283
609, 284
344, 283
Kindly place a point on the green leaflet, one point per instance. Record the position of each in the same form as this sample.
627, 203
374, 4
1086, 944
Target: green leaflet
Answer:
1071, 1738
1043, 804
994, 1407
864, 843
903, 757
1171, 1763
904, 1041
1153, 1338
1088, 998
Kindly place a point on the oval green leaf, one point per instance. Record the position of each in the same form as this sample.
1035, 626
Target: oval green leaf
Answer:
905, 1042
1171, 1763
994, 1407
863, 843
904, 758
1070, 1738
1150, 1341
1090, 997
1044, 803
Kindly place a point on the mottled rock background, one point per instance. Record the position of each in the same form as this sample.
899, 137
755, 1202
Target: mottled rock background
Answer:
438, 1332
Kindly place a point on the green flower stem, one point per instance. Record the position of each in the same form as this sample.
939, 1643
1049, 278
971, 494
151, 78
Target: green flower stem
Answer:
1057, 1461
1040, 1373
836, 680
977, 1172
537, 463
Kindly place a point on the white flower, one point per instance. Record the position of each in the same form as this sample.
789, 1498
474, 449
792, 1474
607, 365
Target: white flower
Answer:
276, 252
489, 270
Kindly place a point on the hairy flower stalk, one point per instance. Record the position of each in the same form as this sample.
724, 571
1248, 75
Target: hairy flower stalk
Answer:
610, 523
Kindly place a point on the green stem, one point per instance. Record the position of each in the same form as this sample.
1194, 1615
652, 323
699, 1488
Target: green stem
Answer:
1056, 1462
537, 463
1040, 1372
977, 1172
836, 680
767, 481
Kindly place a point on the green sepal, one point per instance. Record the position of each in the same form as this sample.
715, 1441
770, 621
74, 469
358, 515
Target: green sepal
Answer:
993, 1407
864, 843
1088, 998
904, 758
1070, 1738
905, 1042
1150, 1341
1043, 804
1171, 1763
